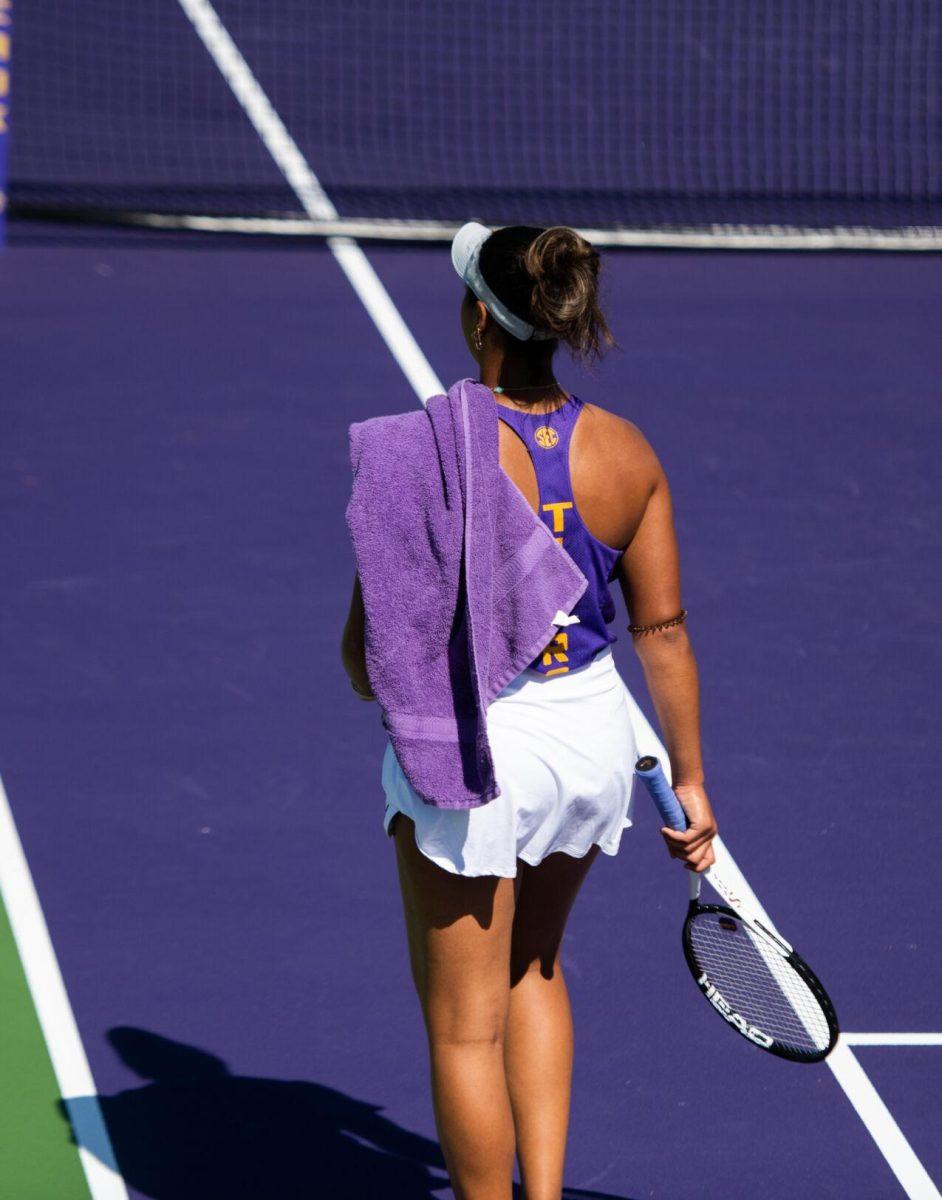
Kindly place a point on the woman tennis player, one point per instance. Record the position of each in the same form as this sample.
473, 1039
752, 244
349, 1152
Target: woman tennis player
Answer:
487, 890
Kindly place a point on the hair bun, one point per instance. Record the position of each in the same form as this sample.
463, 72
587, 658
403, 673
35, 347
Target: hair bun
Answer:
564, 270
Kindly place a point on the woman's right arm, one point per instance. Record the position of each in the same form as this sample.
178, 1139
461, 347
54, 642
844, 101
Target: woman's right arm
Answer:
650, 580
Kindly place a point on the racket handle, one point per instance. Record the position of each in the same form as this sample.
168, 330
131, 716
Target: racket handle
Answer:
651, 774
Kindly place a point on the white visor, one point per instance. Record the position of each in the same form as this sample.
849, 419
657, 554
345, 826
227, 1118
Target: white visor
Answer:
465, 253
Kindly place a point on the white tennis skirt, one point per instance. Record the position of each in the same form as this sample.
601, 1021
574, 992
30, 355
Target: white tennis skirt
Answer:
564, 750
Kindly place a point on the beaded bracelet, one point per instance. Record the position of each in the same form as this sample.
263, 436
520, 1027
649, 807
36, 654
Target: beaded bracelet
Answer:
678, 620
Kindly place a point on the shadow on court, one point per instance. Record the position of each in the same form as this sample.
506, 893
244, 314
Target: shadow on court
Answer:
196, 1131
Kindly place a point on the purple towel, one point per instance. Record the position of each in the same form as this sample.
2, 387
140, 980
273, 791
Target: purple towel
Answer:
461, 584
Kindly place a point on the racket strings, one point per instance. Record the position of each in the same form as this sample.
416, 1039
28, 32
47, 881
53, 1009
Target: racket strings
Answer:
765, 989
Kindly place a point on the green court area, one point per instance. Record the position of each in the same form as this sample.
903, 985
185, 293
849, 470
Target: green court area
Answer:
39, 1160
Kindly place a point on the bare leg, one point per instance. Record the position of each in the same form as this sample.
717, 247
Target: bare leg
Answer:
459, 932
538, 1049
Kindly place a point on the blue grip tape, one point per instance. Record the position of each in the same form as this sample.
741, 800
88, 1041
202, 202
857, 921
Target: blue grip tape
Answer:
651, 773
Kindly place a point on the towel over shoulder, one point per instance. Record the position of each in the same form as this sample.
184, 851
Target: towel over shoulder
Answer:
462, 584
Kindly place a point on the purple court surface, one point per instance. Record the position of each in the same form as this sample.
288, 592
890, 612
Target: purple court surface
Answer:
198, 792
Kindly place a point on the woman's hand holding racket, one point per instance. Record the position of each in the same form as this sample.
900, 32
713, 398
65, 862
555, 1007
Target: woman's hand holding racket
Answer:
693, 845
750, 975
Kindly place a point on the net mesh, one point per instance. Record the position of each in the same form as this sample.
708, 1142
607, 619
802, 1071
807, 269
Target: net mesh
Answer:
655, 114
758, 984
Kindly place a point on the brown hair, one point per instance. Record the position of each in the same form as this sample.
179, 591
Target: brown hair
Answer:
549, 277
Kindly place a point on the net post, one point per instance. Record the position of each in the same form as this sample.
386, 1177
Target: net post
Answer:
6, 42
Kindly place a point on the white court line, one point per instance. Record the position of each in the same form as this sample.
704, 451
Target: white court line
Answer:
54, 1012
893, 1039
314, 200
404, 348
869, 1106
879, 1121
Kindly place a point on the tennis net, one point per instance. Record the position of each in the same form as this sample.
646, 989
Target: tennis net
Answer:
645, 121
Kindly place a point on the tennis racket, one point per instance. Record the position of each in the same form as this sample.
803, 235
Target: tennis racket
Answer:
750, 975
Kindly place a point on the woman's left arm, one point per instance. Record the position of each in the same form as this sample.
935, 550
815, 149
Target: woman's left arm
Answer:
353, 646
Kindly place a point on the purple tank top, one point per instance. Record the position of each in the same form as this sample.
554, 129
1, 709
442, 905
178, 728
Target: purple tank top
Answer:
547, 437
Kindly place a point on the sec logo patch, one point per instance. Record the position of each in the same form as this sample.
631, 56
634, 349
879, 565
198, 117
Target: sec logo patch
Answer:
546, 436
